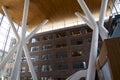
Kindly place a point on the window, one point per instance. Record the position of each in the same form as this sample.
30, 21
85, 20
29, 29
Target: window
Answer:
34, 58
35, 40
47, 37
75, 32
61, 34
35, 48
88, 30
9, 70
23, 69
61, 78
76, 42
46, 46
43, 78
29, 78
61, 66
61, 45
77, 53
61, 55
23, 59
46, 68
11, 60
22, 78
46, 78
79, 65
82, 78
46, 56
36, 68
89, 39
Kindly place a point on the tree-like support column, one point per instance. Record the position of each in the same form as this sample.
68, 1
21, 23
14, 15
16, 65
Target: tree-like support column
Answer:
16, 67
21, 44
102, 29
96, 28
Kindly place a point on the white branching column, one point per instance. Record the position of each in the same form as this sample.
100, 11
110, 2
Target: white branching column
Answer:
96, 28
103, 31
21, 44
16, 67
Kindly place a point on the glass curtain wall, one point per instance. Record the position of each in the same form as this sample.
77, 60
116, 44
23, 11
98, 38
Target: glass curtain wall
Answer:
116, 7
6, 34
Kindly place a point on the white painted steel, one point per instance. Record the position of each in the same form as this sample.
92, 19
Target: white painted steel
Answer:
94, 44
9, 55
84, 19
16, 67
29, 62
21, 44
11, 23
78, 75
102, 29
36, 29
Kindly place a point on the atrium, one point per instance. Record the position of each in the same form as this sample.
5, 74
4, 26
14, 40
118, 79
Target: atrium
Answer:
59, 39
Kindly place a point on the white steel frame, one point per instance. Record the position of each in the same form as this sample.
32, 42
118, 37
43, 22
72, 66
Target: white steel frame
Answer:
97, 29
21, 44
21, 40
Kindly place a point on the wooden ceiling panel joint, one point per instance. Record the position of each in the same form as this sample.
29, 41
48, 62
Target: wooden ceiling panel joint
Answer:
54, 10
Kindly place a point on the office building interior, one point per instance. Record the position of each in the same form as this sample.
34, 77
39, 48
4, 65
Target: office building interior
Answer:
59, 39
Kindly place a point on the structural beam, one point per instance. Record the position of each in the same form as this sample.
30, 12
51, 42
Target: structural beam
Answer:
77, 75
103, 30
102, 12
27, 52
84, 19
86, 11
16, 67
94, 44
31, 68
93, 55
11, 23
10, 53
36, 29
21, 44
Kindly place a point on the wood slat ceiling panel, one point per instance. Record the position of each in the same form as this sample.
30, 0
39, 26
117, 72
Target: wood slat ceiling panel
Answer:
54, 10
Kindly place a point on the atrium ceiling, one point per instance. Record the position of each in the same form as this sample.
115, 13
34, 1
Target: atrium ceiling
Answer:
54, 10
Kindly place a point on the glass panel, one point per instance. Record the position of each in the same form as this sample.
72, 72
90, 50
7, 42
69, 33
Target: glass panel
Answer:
89, 39
35, 40
61, 66
9, 70
61, 45
22, 78
79, 65
36, 68
5, 20
75, 32
5, 26
88, 30
46, 46
46, 68
23, 69
11, 60
76, 42
61, 55
34, 48
1, 15
61, 34
3, 31
46, 56
29, 78
23, 59
34, 58
77, 53
47, 37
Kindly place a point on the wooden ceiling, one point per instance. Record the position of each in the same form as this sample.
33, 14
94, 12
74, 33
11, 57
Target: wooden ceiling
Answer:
54, 10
